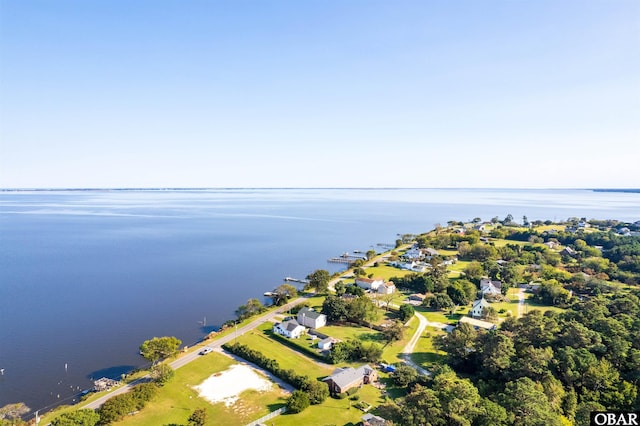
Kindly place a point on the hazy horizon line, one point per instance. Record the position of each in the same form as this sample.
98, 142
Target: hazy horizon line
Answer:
204, 188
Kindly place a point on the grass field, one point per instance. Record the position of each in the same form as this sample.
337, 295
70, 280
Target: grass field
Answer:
425, 355
386, 272
332, 411
178, 399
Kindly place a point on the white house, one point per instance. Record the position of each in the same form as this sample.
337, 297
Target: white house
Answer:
477, 308
387, 288
290, 329
490, 287
325, 344
369, 284
413, 254
310, 318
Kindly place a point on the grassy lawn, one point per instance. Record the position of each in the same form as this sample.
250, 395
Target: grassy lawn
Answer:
502, 243
443, 316
446, 252
424, 353
459, 266
178, 399
287, 358
391, 353
332, 411
386, 272
352, 332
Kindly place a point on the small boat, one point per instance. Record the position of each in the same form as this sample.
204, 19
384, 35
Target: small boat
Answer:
269, 294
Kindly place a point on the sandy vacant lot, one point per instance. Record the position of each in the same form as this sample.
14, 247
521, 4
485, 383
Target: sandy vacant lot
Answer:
228, 385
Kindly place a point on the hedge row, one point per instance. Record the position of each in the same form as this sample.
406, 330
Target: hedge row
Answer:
119, 406
305, 349
272, 365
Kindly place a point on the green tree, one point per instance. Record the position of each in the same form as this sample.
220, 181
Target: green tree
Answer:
162, 373
251, 308
283, 293
198, 417
490, 414
297, 402
82, 417
498, 353
460, 344
404, 375
405, 312
317, 391
422, 407
319, 280
394, 332
335, 308
370, 254
159, 348
527, 404
458, 397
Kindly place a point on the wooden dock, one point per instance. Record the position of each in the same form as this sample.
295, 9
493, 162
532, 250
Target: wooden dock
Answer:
341, 259
296, 280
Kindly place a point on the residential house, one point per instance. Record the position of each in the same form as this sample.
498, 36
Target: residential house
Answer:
290, 329
478, 307
568, 251
346, 378
414, 253
387, 288
489, 287
369, 283
325, 344
429, 253
372, 420
477, 324
552, 244
310, 318
418, 297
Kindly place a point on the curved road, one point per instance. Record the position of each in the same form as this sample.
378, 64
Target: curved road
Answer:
408, 350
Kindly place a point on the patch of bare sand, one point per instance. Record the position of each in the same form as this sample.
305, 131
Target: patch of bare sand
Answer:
229, 384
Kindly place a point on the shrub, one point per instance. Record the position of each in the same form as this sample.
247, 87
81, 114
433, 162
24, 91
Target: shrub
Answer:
297, 402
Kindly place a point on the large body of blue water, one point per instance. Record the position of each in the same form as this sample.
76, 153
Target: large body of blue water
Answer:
86, 276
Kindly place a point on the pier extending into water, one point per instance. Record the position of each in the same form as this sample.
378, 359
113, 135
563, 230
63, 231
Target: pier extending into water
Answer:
295, 280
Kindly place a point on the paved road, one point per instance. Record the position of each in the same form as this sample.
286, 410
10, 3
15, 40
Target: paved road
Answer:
521, 302
185, 359
408, 350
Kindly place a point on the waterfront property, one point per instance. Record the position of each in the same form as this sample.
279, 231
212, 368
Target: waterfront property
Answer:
369, 283
290, 328
347, 378
387, 288
310, 318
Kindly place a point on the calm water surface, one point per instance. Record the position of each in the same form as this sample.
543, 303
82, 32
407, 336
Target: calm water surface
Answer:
86, 276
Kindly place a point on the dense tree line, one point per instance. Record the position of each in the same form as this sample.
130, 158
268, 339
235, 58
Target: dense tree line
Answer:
555, 365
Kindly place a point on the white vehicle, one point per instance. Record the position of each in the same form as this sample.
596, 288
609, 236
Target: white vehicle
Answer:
206, 350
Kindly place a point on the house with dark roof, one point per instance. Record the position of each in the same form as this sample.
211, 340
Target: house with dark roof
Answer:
346, 378
310, 318
290, 329
372, 420
488, 286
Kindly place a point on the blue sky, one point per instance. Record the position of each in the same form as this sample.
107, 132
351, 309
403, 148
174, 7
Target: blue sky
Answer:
309, 93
